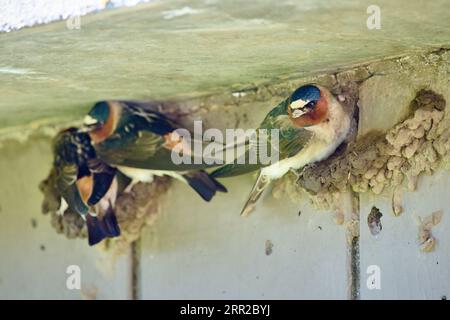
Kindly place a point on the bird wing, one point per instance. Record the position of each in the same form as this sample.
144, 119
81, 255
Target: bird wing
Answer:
138, 135
66, 177
146, 116
144, 138
147, 150
261, 183
121, 148
75, 161
291, 140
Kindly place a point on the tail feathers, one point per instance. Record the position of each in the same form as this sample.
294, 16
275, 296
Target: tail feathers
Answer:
205, 185
103, 176
260, 185
99, 229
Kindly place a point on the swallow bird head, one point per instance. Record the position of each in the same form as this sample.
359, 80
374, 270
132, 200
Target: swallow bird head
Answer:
308, 105
97, 117
102, 120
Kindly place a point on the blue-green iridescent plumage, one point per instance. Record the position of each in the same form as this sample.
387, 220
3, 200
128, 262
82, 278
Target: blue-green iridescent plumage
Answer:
141, 138
291, 141
138, 140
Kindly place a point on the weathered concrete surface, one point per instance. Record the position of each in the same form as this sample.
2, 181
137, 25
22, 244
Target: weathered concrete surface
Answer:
199, 250
406, 271
49, 73
34, 259
207, 250
384, 99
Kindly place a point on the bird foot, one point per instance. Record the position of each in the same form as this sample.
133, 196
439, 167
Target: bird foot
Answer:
297, 173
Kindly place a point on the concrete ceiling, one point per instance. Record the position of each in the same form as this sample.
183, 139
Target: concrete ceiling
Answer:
187, 48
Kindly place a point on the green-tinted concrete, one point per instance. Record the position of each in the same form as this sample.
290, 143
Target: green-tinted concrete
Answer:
197, 249
50, 72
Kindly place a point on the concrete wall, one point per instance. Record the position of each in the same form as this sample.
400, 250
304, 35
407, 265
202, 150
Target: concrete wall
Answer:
34, 259
206, 250
230, 70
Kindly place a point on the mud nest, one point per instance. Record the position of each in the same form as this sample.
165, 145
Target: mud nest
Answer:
134, 210
419, 144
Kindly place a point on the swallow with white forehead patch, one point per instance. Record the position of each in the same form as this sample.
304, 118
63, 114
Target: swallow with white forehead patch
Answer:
138, 140
311, 123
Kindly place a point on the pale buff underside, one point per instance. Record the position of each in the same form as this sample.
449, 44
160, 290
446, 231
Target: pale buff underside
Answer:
327, 137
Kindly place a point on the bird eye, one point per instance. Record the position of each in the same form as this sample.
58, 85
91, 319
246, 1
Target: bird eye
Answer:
310, 105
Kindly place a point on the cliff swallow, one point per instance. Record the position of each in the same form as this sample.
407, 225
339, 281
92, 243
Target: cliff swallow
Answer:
139, 140
311, 123
85, 181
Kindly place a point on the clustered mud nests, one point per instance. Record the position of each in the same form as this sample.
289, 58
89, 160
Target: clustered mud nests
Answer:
134, 210
417, 145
